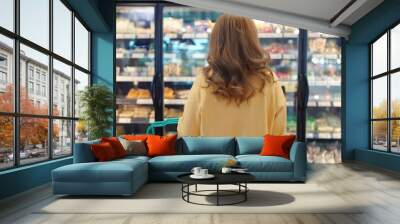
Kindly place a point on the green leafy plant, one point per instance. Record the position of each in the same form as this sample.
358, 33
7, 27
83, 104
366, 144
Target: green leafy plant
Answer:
96, 103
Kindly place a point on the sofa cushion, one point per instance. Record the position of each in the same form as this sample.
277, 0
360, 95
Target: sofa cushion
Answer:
113, 171
277, 145
134, 147
103, 152
161, 145
249, 145
185, 163
257, 163
206, 145
83, 152
116, 145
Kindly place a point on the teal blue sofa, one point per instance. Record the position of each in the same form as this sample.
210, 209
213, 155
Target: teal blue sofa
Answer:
125, 176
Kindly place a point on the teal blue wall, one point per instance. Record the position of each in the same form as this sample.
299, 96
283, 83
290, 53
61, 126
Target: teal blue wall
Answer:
24, 178
103, 51
99, 16
356, 99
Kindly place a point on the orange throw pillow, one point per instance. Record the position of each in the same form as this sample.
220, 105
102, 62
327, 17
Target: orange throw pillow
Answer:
135, 137
116, 145
161, 145
275, 145
103, 152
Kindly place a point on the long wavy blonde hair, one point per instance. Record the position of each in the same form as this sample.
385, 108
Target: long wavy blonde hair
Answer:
235, 56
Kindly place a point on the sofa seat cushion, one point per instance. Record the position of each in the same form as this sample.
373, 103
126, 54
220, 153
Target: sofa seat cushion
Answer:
205, 145
185, 163
257, 163
113, 171
249, 145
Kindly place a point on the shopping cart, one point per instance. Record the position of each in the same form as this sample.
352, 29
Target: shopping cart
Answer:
160, 124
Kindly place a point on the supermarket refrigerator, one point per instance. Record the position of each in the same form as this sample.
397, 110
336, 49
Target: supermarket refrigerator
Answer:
323, 124
162, 47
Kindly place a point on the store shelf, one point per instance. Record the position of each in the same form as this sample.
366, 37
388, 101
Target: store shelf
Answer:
279, 56
150, 78
331, 136
134, 78
325, 83
174, 101
326, 56
122, 101
207, 35
320, 35
135, 55
324, 103
179, 78
136, 120
129, 36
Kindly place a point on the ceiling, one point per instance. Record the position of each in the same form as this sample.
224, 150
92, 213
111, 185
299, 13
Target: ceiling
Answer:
328, 16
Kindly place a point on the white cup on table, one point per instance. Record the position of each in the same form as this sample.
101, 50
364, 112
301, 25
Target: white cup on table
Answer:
196, 171
203, 172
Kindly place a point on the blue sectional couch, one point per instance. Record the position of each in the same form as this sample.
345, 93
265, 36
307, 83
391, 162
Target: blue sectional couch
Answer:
125, 176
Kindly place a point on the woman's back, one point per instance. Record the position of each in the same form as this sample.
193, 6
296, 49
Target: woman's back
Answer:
208, 115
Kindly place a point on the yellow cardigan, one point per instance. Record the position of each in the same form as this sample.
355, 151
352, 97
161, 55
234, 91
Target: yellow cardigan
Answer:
206, 115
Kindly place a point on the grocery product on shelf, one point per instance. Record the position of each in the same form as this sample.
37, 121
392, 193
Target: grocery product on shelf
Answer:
138, 94
169, 93
171, 112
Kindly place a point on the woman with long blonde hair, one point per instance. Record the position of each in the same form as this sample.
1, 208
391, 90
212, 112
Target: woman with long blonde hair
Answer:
237, 94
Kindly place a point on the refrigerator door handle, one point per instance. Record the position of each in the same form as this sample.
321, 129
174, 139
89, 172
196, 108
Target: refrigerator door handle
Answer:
153, 88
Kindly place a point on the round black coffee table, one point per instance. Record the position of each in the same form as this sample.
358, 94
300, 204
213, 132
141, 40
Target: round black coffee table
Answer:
238, 179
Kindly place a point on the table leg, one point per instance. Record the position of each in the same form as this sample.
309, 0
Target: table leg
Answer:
245, 193
217, 194
195, 188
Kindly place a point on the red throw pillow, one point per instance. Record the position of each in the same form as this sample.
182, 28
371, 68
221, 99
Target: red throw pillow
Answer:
275, 145
116, 145
103, 152
161, 145
135, 137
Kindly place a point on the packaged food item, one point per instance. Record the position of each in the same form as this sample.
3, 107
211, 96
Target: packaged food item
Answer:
172, 25
182, 94
125, 26
172, 69
169, 93
318, 45
138, 94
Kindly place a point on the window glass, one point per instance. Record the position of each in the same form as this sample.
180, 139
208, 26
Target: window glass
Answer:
6, 142
81, 131
379, 98
395, 95
395, 136
81, 82
62, 89
379, 135
81, 45
379, 56
34, 21
33, 140
7, 14
38, 102
62, 29
62, 138
6, 74
395, 47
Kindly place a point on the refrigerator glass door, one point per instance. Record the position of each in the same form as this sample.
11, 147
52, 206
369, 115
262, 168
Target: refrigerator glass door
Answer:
134, 68
324, 106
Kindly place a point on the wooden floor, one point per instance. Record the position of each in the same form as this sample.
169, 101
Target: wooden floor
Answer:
377, 188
